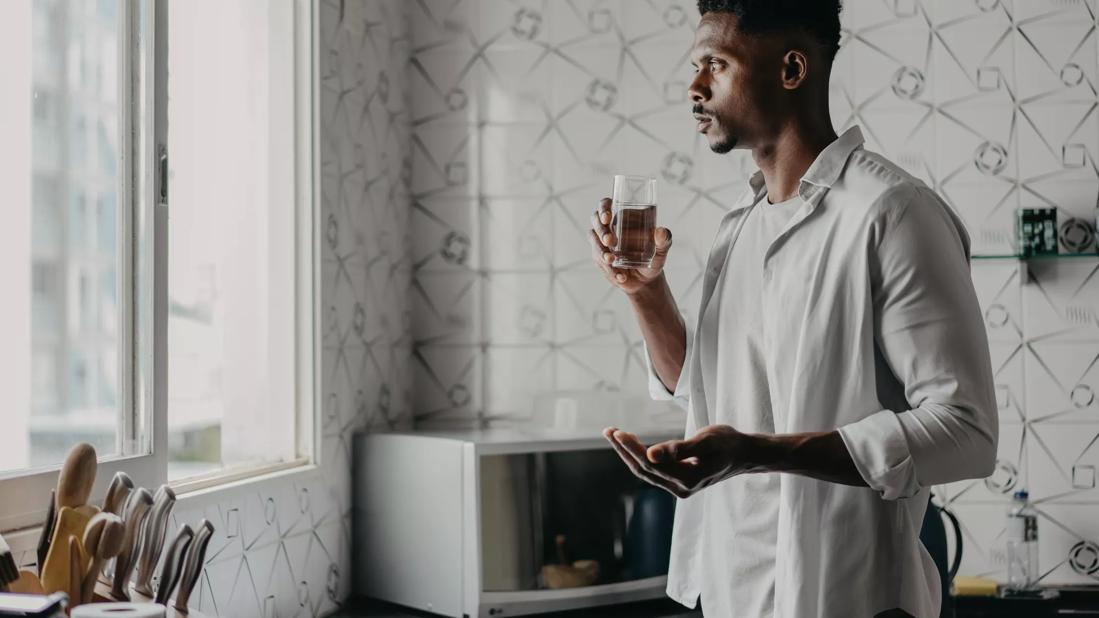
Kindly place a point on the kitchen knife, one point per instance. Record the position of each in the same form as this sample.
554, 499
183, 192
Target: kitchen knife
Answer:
152, 539
173, 564
8, 571
117, 492
102, 541
47, 531
192, 565
136, 507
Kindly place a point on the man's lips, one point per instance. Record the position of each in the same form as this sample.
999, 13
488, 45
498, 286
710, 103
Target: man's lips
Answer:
704, 122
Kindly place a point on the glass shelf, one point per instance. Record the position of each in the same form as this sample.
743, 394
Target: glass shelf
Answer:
1019, 256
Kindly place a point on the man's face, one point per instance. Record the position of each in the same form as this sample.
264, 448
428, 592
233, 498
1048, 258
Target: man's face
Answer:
736, 84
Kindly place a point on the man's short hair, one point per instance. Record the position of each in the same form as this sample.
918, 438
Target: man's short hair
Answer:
819, 18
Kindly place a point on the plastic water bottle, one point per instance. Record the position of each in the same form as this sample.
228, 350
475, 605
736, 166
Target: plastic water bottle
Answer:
1022, 544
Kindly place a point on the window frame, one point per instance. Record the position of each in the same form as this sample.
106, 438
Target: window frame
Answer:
143, 273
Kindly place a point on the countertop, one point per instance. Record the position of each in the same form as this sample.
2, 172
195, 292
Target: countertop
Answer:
664, 608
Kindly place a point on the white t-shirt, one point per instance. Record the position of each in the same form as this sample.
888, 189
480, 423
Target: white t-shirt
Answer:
732, 341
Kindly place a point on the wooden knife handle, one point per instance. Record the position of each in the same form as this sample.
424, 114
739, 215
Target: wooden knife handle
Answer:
152, 539
117, 492
173, 563
136, 508
192, 566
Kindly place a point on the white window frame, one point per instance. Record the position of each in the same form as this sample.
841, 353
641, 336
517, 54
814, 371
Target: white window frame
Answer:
143, 263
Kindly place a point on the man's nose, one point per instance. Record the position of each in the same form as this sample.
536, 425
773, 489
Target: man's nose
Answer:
698, 91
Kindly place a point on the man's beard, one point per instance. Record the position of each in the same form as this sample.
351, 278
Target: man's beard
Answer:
725, 145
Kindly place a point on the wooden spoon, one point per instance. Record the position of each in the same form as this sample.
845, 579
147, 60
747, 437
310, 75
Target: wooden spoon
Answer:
102, 541
26, 584
74, 484
76, 571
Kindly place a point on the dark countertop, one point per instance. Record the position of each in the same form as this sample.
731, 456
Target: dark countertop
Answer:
1081, 602
1073, 601
665, 608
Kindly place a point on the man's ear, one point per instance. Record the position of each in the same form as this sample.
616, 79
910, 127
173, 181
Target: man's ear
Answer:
795, 69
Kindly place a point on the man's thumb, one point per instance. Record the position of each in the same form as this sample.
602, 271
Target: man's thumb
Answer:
663, 238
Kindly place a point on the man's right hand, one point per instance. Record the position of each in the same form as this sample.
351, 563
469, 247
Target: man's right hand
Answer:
629, 280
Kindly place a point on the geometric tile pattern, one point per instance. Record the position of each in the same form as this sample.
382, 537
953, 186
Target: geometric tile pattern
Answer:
522, 109
283, 548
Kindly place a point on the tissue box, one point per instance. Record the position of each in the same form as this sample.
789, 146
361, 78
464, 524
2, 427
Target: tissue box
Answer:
1036, 231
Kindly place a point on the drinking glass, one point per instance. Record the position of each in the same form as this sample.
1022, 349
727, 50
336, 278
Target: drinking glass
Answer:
633, 212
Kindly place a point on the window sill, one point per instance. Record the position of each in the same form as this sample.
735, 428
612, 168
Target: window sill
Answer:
234, 478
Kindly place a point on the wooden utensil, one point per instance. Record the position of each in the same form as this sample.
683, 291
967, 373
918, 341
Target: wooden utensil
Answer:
102, 541
136, 507
47, 531
115, 502
74, 484
26, 584
55, 573
8, 571
173, 564
152, 539
76, 571
566, 575
192, 565
117, 492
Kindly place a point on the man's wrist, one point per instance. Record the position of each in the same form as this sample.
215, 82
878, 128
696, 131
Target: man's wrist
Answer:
651, 291
767, 453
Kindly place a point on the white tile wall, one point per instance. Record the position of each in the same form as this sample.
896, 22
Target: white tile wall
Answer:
522, 109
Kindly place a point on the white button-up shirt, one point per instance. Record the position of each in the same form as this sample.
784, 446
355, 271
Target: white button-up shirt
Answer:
870, 326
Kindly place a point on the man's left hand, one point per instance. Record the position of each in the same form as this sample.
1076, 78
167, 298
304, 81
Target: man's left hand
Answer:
685, 467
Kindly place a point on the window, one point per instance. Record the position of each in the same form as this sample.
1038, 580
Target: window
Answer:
231, 360
123, 319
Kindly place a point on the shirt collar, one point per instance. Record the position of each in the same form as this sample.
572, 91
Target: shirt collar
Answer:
827, 167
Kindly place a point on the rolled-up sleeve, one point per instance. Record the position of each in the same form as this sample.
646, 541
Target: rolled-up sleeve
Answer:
657, 390
929, 331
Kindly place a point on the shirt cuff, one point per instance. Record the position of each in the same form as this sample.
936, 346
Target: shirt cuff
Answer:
657, 390
880, 451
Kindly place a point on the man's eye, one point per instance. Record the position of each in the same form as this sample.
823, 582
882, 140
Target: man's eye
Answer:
714, 66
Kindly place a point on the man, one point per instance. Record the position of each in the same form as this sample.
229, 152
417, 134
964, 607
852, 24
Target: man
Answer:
839, 366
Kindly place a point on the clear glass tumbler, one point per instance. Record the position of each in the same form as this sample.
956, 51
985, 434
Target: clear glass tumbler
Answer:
633, 211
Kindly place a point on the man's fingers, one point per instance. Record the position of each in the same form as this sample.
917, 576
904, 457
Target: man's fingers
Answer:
673, 451
605, 210
603, 231
642, 472
603, 259
597, 226
636, 449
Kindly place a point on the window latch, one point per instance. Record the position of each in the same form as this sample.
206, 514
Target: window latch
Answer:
162, 162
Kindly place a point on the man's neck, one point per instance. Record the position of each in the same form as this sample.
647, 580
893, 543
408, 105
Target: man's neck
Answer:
785, 159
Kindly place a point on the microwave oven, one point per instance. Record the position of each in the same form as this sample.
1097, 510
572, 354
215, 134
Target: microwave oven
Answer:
505, 522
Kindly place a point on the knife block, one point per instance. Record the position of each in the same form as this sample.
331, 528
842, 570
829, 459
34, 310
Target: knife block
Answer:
102, 594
